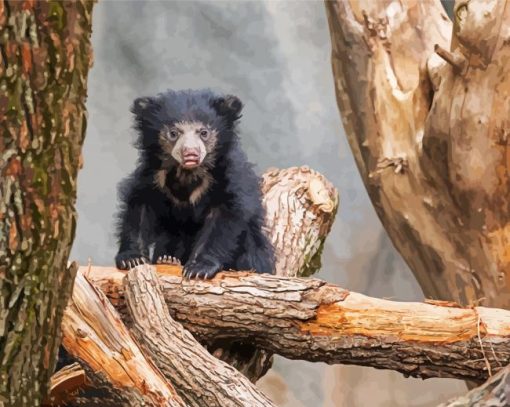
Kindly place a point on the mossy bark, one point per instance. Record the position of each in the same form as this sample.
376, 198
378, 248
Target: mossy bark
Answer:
45, 57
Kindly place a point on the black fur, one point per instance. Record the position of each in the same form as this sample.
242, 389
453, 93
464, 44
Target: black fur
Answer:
223, 229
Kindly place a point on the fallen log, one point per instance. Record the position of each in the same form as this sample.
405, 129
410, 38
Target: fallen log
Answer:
312, 320
200, 378
94, 334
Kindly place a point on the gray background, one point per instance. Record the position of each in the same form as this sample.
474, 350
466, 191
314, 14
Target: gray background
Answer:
275, 55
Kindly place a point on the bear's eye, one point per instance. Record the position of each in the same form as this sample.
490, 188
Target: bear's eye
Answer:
204, 134
173, 135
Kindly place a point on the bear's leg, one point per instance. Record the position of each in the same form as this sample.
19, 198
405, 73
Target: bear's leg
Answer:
256, 254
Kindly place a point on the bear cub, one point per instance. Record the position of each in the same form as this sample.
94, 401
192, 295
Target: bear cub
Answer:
193, 199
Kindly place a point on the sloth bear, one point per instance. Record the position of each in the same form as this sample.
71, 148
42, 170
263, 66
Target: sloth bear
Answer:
193, 198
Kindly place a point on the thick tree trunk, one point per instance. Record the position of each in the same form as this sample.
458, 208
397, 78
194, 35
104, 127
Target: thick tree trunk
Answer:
312, 320
429, 133
432, 156
200, 378
45, 57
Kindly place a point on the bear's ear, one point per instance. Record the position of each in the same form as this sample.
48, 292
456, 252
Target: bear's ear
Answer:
143, 105
229, 106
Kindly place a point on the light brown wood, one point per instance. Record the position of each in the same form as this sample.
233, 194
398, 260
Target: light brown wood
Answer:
94, 334
200, 378
309, 319
300, 205
430, 134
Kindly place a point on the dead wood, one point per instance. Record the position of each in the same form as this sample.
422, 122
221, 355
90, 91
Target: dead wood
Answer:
200, 378
309, 319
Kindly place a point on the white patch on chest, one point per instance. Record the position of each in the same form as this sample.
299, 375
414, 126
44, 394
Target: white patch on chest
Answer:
195, 195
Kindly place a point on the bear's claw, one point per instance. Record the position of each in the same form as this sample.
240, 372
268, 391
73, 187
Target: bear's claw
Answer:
168, 260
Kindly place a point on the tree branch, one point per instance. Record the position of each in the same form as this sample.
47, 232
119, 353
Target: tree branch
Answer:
94, 334
200, 378
64, 383
312, 320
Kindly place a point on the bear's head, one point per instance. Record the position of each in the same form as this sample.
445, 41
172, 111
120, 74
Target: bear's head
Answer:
186, 128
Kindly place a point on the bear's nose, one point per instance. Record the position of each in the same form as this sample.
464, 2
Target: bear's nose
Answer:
188, 152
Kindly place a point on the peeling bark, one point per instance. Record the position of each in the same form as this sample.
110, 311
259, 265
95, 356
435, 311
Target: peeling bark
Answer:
200, 378
312, 320
94, 334
45, 55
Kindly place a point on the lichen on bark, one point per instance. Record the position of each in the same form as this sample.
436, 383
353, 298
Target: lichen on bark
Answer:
45, 56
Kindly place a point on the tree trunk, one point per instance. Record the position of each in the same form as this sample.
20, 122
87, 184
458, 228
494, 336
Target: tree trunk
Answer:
309, 319
200, 378
429, 133
433, 158
46, 54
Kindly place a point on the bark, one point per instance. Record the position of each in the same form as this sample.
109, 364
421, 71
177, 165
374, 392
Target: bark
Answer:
94, 334
201, 379
300, 208
432, 156
300, 205
315, 321
45, 56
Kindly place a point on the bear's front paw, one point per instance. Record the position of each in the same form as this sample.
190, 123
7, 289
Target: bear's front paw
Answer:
200, 269
164, 259
130, 259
